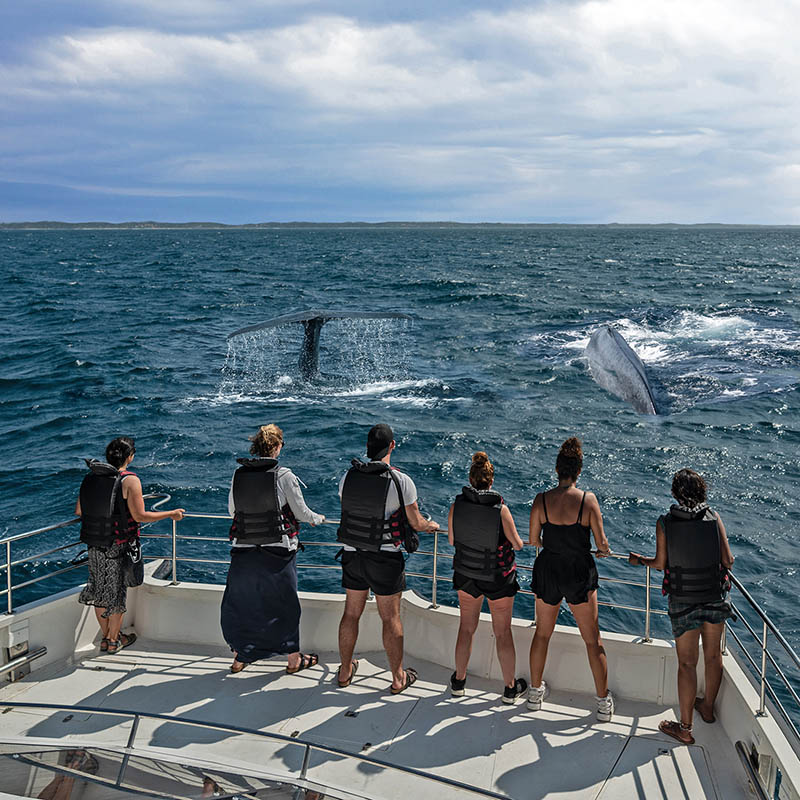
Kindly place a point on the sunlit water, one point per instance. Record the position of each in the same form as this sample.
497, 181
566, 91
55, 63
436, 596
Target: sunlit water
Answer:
124, 332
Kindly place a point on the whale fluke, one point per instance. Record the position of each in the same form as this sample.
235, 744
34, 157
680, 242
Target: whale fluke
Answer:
616, 367
312, 321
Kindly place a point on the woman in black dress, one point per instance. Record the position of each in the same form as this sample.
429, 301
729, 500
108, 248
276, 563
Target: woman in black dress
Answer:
691, 537
562, 522
481, 528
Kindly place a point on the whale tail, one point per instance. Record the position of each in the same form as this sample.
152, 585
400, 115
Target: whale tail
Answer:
312, 321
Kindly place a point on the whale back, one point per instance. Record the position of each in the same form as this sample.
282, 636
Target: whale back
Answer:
616, 367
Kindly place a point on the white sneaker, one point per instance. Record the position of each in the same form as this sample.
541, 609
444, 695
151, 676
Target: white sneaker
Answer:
536, 696
605, 707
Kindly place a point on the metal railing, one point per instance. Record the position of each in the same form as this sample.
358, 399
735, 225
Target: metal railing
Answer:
764, 658
294, 741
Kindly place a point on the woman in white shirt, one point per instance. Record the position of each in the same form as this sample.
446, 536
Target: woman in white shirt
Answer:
260, 612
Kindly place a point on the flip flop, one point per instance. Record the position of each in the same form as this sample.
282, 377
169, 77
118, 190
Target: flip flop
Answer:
306, 661
237, 666
697, 707
353, 670
411, 679
676, 731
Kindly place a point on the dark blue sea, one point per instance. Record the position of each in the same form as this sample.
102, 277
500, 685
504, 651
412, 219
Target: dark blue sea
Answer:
110, 332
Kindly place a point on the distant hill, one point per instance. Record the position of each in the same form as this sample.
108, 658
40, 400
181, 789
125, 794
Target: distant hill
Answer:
152, 225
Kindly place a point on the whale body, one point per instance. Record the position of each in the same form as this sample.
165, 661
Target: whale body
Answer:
615, 366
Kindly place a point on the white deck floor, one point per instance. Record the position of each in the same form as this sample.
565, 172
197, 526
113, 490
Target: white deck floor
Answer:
558, 752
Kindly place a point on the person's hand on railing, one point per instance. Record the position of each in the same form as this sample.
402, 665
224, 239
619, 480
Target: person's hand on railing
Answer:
603, 553
635, 559
177, 514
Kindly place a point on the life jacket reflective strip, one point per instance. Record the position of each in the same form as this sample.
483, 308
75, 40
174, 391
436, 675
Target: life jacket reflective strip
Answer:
694, 572
257, 518
104, 512
482, 551
364, 492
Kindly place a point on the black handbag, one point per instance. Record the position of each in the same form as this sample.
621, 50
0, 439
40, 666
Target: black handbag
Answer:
133, 564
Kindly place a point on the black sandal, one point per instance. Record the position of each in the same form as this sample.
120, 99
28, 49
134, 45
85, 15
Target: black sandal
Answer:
411, 679
306, 661
353, 670
125, 640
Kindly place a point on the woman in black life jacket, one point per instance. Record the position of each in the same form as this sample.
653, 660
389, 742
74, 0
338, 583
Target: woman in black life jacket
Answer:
108, 534
482, 530
692, 548
562, 522
260, 614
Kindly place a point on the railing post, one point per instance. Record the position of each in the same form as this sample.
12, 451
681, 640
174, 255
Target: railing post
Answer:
434, 604
9, 604
762, 700
647, 605
724, 641
174, 551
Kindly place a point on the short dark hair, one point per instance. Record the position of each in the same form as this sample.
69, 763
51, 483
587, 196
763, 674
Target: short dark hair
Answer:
689, 488
379, 439
119, 449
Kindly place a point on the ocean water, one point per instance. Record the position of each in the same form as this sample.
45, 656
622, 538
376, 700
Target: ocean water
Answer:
124, 332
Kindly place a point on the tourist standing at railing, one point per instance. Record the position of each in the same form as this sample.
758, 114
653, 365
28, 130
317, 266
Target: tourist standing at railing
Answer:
111, 506
378, 501
562, 522
482, 530
260, 613
692, 548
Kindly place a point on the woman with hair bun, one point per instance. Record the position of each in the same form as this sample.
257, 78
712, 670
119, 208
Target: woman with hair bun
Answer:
111, 506
692, 548
482, 530
260, 613
562, 522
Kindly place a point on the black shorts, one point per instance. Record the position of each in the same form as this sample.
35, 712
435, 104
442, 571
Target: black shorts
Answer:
384, 573
556, 578
507, 587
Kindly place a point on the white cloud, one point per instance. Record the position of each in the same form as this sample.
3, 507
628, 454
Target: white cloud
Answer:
557, 99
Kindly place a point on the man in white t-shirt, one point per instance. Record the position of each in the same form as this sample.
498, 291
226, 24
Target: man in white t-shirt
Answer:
372, 559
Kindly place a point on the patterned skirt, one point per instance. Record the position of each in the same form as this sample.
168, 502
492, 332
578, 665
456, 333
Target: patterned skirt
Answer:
106, 585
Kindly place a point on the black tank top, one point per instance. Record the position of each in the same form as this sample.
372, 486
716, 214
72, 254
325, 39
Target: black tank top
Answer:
566, 540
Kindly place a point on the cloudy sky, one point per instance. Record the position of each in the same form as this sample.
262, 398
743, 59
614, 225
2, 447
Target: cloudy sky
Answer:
259, 110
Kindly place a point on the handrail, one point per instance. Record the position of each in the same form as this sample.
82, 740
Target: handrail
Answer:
217, 726
23, 660
767, 625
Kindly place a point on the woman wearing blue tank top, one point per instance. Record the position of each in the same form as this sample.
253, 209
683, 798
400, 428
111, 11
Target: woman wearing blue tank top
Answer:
562, 522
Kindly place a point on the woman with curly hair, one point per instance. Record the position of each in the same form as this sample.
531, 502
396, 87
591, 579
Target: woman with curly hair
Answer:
692, 548
111, 506
562, 522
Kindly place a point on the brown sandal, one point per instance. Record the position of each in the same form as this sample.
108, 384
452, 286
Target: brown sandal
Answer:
698, 702
353, 670
411, 679
306, 661
677, 730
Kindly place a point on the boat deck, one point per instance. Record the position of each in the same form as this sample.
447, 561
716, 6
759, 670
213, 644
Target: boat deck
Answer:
558, 752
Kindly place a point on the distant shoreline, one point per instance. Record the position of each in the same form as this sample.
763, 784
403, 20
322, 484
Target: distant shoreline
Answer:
148, 225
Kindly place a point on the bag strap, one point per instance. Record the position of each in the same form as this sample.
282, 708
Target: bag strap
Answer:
399, 495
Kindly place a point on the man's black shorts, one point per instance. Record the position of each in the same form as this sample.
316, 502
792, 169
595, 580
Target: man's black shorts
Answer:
384, 573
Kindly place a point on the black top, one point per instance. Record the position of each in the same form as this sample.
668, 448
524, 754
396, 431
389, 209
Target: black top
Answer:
566, 539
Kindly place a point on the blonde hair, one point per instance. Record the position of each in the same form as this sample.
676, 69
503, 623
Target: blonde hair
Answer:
268, 439
481, 473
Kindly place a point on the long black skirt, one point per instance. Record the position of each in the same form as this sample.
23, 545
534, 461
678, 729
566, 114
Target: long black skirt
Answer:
260, 613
